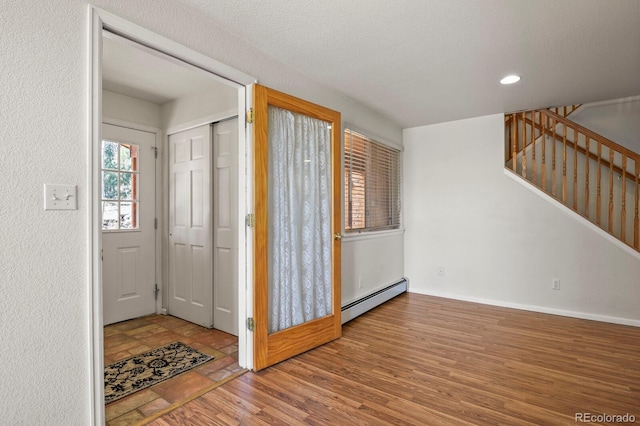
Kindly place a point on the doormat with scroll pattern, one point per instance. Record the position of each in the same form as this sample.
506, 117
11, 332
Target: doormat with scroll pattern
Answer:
138, 372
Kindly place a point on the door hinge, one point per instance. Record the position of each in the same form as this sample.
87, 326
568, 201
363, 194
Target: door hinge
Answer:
251, 220
155, 223
155, 151
156, 290
250, 115
250, 324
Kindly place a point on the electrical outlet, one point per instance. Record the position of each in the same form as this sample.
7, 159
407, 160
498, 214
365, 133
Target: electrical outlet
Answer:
359, 282
441, 271
555, 283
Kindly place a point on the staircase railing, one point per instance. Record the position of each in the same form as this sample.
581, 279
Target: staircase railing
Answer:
588, 173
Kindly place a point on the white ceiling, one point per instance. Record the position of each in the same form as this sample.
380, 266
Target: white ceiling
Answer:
142, 73
420, 62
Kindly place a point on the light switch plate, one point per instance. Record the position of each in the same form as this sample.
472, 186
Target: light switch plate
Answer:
60, 197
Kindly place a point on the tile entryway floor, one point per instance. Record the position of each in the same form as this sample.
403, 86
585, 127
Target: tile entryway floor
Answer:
128, 338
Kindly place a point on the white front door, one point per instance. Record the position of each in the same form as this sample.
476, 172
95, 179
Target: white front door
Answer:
128, 223
225, 222
190, 227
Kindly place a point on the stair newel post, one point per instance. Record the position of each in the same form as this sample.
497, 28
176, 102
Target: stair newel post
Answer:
586, 177
543, 172
611, 157
623, 195
564, 164
553, 157
599, 187
524, 145
514, 142
636, 224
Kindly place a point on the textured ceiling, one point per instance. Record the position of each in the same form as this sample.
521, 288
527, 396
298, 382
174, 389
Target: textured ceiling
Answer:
420, 62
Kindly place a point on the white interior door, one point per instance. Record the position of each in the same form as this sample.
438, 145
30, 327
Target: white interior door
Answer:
128, 223
190, 227
225, 219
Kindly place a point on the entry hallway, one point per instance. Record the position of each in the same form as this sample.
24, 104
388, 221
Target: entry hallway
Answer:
125, 339
421, 360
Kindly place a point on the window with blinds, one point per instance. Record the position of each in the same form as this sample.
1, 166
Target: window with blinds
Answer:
371, 184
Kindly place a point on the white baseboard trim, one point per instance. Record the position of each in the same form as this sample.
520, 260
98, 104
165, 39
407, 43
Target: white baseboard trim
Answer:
532, 308
366, 303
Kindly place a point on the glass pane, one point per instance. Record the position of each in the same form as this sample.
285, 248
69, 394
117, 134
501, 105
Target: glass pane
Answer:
109, 215
372, 184
109, 185
299, 215
128, 215
129, 158
126, 186
110, 155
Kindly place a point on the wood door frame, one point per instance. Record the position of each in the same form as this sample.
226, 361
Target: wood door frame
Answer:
99, 20
270, 350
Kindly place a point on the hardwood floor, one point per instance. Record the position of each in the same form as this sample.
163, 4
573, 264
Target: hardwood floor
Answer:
420, 360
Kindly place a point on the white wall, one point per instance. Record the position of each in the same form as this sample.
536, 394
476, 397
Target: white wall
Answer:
370, 262
618, 120
121, 107
499, 242
198, 106
43, 282
44, 316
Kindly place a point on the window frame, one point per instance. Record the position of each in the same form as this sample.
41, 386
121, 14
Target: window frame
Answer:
135, 177
370, 231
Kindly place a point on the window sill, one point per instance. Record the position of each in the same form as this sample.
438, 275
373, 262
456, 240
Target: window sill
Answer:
120, 231
358, 236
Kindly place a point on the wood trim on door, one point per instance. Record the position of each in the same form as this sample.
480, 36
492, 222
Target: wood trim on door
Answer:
273, 348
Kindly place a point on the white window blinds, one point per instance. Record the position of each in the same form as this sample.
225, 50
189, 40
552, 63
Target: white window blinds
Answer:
372, 184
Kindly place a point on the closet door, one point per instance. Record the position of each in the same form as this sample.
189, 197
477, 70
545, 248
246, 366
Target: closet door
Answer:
225, 224
190, 227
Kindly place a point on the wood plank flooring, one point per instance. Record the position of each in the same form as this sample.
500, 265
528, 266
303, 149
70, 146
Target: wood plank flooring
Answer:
421, 360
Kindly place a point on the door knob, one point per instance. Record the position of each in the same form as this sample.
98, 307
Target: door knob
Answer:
337, 236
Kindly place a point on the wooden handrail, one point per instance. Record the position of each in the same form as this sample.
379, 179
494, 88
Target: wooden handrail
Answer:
593, 135
525, 130
580, 149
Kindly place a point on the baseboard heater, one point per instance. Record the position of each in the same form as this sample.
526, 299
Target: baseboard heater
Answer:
372, 300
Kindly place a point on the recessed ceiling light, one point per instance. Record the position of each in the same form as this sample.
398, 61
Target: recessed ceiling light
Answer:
510, 79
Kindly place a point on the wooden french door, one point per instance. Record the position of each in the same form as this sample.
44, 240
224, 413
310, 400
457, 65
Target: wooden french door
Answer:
271, 347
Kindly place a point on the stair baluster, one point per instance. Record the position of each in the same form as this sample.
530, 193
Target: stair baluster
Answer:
611, 158
527, 135
586, 177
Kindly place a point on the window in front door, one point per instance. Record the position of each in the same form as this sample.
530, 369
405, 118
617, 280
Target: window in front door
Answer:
120, 178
